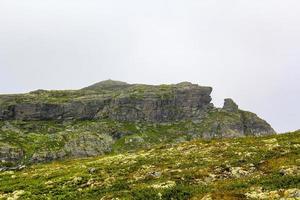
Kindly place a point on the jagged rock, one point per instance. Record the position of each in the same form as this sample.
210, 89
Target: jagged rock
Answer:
230, 105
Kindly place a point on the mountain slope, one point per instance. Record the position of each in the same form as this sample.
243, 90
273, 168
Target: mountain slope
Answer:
243, 168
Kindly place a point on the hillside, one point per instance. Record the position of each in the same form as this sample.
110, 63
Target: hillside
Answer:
242, 168
114, 117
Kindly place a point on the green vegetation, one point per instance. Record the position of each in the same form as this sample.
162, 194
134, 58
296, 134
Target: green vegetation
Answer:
242, 168
100, 90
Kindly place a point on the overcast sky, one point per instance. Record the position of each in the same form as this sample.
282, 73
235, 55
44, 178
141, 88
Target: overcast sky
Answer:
245, 49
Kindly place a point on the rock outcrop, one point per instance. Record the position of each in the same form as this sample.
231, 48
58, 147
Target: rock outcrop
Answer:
120, 102
114, 116
10, 153
230, 105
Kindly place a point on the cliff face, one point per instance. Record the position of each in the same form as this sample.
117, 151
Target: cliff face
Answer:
129, 103
115, 116
229, 121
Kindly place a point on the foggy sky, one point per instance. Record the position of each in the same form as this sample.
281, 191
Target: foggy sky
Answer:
245, 49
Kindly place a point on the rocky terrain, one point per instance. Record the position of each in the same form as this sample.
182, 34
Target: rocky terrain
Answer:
113, 116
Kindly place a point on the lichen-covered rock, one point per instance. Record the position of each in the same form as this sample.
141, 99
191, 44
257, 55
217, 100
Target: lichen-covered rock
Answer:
87, 144
46, 156
134, 140
230, 105
254, 125
6, 112
271, 143
10, 154
259, 193
78, 145
220, 123
290, 170
13, 196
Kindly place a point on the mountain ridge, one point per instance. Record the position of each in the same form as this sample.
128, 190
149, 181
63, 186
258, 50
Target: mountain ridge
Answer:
113, 116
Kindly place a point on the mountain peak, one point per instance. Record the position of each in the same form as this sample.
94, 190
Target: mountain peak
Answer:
106, 84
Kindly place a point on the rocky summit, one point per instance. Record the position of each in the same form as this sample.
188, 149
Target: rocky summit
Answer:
114, 116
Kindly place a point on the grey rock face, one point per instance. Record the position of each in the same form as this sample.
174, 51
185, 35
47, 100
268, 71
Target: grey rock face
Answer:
88, 144
186, 103
36, 111
10, 153
46, 156
253, 125
6, 112
83, 145
230, 105
182, 101
228, 124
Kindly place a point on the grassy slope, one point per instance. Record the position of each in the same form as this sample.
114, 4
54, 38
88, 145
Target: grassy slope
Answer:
217, 169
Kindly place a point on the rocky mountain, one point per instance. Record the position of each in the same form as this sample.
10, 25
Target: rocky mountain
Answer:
113, 116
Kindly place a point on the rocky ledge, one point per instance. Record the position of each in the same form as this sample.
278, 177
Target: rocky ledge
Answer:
111, 99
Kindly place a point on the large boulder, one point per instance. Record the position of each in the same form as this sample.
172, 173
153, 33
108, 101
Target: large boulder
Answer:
10, 154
